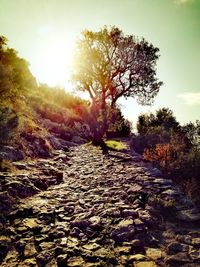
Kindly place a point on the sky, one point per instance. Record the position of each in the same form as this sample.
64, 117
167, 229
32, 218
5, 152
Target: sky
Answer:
45, 31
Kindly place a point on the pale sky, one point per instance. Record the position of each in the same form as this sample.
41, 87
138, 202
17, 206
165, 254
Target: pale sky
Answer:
44, 32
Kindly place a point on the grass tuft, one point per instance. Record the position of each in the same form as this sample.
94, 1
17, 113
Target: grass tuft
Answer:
117, 145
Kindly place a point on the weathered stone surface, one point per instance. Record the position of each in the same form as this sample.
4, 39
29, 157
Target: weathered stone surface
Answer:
90, 214
154, 253
179, 259
123, 233
195, 255
44, 257
196, 241
5, 244
123, 250
75, 262
29, 250
30, 223
6, 203
129, 213
20, 189
145, 264
91, 246
62, 260
10, 153
137, 257
175, 247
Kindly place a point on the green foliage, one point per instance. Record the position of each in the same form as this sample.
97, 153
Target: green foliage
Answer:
192, 131
118, 125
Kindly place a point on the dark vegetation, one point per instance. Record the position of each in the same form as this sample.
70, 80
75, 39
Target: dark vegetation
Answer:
173, 148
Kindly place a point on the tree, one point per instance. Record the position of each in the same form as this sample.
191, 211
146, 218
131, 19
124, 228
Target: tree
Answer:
163, 118
118, 126
109, 65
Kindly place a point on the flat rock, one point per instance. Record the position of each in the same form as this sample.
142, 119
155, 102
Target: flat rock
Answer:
29, 250
145, 264
75, 262
179, 258
92, 246
30, 223
137, 257
123, 234
154, 253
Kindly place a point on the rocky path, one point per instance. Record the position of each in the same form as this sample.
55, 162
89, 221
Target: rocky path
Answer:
95, 217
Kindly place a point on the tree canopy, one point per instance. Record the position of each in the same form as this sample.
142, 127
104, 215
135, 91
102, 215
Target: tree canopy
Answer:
109, 65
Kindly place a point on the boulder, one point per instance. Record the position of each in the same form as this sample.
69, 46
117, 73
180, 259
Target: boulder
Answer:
37, 145
123, 233
6, 203
10, 153
19, 189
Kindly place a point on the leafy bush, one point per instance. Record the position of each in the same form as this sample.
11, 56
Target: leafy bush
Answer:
118, 125
173, 148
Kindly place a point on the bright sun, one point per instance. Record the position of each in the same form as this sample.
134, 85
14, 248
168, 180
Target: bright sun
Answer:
52, 63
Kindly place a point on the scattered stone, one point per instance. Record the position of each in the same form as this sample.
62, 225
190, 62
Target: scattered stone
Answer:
62, 260
179, 259
29, 250
125, 223
10, 153
91, 246
175, 247
154, 253
19, 189
94, 217
46, 245
196, 241
6, 203
123, 234
123, 249
137, 257
5, 244
29, 263
30, 223
75, 262
194, 255
44, 257
129, 213
145, 264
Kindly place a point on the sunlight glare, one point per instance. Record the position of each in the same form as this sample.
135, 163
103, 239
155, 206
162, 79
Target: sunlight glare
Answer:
54, 63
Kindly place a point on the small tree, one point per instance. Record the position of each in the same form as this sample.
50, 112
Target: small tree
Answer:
118, 126
163, 118
109, 65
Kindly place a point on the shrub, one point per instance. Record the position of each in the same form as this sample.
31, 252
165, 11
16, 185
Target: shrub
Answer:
173, 148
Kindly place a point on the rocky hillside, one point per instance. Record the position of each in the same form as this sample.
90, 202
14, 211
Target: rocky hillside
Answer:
35, 119
82, 208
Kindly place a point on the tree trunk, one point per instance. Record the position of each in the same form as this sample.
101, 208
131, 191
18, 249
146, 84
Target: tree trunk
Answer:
98, 129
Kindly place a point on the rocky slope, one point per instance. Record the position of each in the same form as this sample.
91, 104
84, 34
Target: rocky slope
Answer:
87, 211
